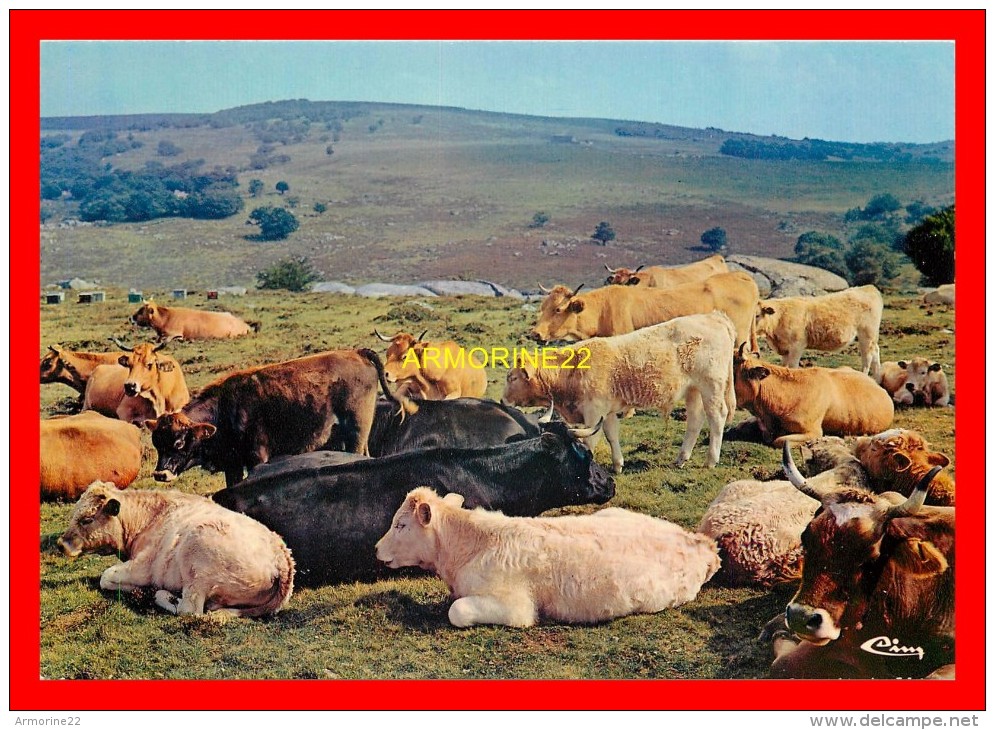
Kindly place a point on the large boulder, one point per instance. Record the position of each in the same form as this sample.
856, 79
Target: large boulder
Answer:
393, 290
944, 294
448, 288
776, 278
332, 287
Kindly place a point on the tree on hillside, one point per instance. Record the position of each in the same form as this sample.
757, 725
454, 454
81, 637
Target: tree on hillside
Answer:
714, 239
167, 149
255, 187
290, 274
282, 187
274, 223
539, 220
815, 248
604, 233
320, 208
930, 245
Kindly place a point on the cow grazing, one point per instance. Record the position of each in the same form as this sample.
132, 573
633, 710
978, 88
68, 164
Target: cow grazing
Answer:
686, 358
795, 405
574, 569
250, 416
73, 368
433, 424
191, 324
876, 599
898, 459
331, 517
664, 277
916, 382
758, 525
431, 370
185, 544
827, 323
78, 450
617, 310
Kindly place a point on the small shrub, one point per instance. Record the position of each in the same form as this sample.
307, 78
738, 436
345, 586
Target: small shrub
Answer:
290, 274
604, 233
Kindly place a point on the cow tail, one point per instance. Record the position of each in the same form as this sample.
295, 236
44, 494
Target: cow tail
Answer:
731, 387
256, 326
374, 359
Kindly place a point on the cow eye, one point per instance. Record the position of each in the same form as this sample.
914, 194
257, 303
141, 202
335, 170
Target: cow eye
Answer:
180, 443
86, 521
399, 526
150, 366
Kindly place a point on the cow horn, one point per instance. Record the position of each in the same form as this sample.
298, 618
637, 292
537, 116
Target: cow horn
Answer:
610, 269
547, 417
385, 339
583, 433
918, 497
166, 342
574, 292
422, 335
544, 290
639, 268
794, 476
54, 349
118, 342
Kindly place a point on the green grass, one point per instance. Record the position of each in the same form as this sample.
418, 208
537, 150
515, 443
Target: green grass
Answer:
398, 628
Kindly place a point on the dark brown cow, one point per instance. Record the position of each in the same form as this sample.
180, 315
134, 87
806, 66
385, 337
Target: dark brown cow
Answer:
73, 368
876, 599
248, 417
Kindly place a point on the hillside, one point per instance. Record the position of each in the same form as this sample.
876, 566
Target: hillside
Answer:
415, 193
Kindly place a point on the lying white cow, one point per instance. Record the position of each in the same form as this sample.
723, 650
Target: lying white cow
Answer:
828, 323
216, 559
574, 569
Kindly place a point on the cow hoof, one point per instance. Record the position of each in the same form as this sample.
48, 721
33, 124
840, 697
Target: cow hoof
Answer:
617, 468
681, 461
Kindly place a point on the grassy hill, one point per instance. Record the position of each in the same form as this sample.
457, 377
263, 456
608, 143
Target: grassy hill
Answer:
423, 192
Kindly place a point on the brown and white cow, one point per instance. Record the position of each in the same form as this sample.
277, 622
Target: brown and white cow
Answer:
145, 383
78, 450
876, 599
827, 323
917, 381
191, 324
617, 310
73, 368
664, 277
431, 370
245, 418
574, 569
687, 358
796, 405
215, 559
898, 459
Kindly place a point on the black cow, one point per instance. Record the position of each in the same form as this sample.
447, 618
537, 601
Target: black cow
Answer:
437, 424
332, 517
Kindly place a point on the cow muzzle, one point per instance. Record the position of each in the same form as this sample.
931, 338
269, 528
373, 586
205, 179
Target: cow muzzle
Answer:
131, 388
164, 475
814, 625
69, 547
536, 337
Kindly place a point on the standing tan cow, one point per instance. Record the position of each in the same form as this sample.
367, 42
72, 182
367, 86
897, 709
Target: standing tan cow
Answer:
686, 358
190, 324
827, 323
78, 450
576, 569
795, 405
431, 370
664, 277
617, 310
216, 559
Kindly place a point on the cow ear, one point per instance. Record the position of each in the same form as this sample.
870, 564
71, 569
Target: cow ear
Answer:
935, 367
548, 440
919, 558
633, 281
902, 364
901, 461
203, 431
112, 508
937, 459
123, 361
576, 306
757, 373
151, 424
423, 512
767, 310
454, 499
166, 367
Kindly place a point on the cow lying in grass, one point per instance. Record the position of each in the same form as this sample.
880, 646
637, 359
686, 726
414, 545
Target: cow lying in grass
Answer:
916, 382
574, 569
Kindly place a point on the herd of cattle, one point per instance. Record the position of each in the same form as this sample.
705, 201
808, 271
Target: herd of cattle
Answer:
325, 482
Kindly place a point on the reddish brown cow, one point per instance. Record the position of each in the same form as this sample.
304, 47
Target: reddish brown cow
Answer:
876, 600
78, 450
246, 418
663, 277
191, 324
897, 460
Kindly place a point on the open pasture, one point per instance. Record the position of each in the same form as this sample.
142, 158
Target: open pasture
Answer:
398, 628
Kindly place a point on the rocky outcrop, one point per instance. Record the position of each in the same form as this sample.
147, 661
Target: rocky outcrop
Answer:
941, 295
447, 288
393, 290
776, 278
332, 287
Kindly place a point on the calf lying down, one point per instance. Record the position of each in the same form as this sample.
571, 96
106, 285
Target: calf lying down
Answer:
573, 569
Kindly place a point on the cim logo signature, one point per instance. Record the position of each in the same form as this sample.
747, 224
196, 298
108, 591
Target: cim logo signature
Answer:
884, 646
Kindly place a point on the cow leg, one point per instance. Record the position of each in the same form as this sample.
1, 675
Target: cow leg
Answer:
716, 411
796, 438
693, 425
794, 357
870, 358
611, 429
233, 475
124, 577
167, 601
507, 610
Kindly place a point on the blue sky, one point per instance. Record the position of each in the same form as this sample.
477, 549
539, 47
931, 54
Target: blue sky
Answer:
846, 91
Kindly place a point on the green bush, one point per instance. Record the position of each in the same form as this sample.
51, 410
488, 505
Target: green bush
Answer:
930, 245
274, 223
290, 274
714, 238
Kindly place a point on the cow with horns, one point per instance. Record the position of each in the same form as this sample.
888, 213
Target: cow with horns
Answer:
431, 370
663, 277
